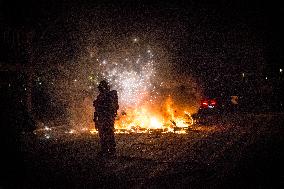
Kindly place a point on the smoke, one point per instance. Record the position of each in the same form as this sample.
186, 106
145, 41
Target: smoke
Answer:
138, 69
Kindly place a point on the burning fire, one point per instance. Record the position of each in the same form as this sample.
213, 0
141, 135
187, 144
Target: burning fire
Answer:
138, 120
146, 118
141, 78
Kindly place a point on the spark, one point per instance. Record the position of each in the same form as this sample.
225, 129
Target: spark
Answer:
131, 71
131, 78
47, 128
47, 136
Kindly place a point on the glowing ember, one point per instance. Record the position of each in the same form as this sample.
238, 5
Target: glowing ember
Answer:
139, 73
146, 118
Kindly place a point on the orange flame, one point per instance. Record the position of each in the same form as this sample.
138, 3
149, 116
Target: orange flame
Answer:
147, 117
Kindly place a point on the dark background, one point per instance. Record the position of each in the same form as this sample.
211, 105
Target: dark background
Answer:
215, 42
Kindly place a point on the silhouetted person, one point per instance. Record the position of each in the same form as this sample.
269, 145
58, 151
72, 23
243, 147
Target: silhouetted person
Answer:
106, 106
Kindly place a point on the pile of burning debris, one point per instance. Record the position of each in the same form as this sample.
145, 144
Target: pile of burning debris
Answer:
143, 119
152, 124
179, 125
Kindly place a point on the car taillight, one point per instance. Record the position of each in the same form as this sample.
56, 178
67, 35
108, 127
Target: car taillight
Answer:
213, 102
204, 103
210, 103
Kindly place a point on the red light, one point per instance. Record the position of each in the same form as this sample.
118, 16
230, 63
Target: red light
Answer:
208, 103
213, 102
205, 103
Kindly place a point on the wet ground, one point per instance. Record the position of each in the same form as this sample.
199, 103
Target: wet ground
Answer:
239, 151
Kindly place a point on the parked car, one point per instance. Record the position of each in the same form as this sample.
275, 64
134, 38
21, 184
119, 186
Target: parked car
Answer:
212, 109
208, 111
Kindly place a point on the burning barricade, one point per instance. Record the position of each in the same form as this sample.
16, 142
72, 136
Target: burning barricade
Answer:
143, 120
146, 121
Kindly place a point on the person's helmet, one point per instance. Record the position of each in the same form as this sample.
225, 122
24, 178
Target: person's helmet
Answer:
103, 86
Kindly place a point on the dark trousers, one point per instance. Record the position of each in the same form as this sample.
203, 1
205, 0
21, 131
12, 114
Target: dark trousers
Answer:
106, 134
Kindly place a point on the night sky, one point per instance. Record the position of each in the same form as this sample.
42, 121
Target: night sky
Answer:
210, 41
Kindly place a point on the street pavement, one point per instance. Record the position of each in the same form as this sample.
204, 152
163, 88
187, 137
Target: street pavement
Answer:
237, 151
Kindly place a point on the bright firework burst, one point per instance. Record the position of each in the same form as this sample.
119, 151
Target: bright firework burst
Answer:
139, 72
131, 76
